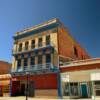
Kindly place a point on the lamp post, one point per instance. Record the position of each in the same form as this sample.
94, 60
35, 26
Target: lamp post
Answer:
27, 74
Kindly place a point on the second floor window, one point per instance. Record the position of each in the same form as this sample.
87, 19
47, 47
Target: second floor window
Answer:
33, 44
19, 62
32, 60
25, 61
39, 59
20, 47
40, 42
26, 45
48, 58
48, 40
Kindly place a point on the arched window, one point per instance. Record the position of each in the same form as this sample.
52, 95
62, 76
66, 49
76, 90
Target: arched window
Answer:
26, 45
20, 47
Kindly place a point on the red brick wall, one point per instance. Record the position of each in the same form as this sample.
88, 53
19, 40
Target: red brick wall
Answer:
42, 81
4, 67
66, 44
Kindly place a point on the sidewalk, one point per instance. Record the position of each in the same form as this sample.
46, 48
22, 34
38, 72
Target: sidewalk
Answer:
24, 98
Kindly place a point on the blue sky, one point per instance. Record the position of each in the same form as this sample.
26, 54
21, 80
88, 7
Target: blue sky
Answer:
81, 17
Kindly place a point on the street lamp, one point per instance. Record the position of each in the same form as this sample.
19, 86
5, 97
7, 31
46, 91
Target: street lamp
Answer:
27, 73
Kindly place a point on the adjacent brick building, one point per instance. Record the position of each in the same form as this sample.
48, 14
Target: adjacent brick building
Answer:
5, 77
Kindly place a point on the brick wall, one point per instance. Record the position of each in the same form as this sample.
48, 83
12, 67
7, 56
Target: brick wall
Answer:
4, 67
41, 81
66, 45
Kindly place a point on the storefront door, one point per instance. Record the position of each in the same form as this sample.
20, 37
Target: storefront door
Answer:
84, 90
22, 89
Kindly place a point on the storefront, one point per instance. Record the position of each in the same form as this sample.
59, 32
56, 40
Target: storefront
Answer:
81, 79
5, 85
76, 84
38, 85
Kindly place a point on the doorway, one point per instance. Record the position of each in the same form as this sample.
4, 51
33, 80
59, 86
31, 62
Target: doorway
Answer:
22, 89
84, 91
31, 89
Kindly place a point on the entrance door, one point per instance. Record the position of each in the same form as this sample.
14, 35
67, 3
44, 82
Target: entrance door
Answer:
31, 89
84, 90
22, 89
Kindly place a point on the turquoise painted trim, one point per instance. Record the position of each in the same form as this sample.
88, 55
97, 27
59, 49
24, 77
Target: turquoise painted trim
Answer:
35, 51
59, 85
36, 31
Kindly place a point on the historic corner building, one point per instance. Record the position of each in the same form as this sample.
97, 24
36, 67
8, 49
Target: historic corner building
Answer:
47, 61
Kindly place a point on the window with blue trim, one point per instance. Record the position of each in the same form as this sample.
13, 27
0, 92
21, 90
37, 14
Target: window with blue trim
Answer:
19, 62
39, 59
48, 58
25, 61
33, 60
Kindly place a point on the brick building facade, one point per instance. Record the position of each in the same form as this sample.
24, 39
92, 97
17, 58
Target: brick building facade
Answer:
38, 53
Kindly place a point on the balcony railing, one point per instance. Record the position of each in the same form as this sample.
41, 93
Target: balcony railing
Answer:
34, 68
32, 47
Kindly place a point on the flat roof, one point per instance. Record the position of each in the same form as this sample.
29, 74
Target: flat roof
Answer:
81, 62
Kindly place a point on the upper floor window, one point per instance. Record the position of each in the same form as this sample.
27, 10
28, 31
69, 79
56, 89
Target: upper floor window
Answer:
40, 42
20, 47
26, 45
75, 52
48, 58
33, 44
33, 60
48, 40
25, 61
19, 62
39, 59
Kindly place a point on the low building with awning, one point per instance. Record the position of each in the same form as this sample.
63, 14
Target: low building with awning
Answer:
81, 78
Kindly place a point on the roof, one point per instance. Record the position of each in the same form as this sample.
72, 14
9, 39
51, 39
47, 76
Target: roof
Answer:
88, 64
38, 28
82, 62
4, 67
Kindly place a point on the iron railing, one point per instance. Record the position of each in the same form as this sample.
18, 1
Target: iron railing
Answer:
32, 47
32, 68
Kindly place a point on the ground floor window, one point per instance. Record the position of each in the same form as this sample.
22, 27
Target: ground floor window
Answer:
66, 89
71, 89
74, 89
97, 88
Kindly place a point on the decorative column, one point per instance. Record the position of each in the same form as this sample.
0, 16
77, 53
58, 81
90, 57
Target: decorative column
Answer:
59, 85
93, 91
44, 41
